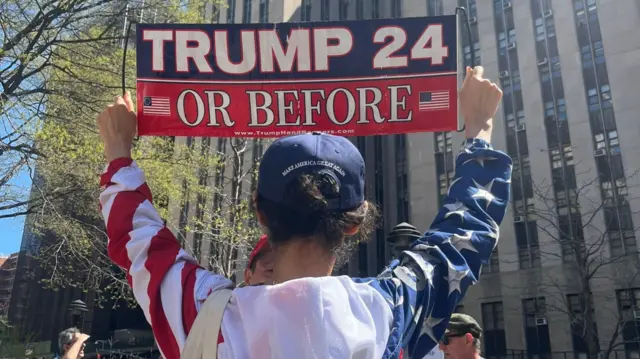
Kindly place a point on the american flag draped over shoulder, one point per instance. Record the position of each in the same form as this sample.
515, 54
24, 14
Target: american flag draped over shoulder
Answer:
419, 291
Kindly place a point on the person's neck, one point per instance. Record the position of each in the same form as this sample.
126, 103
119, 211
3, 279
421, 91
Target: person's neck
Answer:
300, 259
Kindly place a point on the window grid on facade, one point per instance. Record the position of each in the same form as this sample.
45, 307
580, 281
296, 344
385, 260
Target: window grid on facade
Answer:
517, 147
305, 10
402, 179
559, 141
444, 163
231, 12
396, 8
576, 306
375, 9
264, 11
246, 11
536, 327
603, 123
493, 330
474, 41
343, 10
494, 263
325, 10
629, 311
359, 9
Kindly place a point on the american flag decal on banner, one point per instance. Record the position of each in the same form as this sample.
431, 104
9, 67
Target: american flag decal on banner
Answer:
156, 106
436, 100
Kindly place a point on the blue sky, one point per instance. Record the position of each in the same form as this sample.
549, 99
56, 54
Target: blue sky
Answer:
11, 228
11, 234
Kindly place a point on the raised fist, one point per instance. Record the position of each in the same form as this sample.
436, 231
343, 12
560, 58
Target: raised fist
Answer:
117, 125
479, 100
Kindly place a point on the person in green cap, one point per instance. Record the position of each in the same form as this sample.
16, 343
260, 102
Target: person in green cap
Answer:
461, 340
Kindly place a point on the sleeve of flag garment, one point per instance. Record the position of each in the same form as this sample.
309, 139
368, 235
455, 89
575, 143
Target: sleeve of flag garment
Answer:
425, 284
167, 283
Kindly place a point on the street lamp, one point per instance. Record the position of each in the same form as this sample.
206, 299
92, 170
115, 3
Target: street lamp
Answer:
402, 236
77, 308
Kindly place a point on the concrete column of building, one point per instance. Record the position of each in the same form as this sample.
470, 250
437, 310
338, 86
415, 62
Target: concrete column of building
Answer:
413, 8
423, 184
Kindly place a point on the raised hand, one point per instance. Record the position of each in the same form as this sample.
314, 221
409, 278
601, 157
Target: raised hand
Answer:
479, 100
117, 125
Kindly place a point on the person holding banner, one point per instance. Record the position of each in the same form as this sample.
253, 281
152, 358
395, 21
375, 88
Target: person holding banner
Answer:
310, 199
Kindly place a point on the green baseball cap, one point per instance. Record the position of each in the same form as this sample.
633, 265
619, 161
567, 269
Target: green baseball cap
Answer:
461, 324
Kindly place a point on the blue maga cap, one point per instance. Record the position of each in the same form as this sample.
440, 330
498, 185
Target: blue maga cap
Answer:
289, 157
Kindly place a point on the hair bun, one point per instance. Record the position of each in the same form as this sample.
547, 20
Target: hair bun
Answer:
327, 184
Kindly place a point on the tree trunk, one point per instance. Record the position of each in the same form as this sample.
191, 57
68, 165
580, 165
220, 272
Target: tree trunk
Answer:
589, 320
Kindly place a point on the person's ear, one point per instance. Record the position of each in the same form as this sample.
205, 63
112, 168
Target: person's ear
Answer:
469, 338
247, 276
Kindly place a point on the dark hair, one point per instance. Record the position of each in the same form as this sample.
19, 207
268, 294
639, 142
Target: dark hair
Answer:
304, 213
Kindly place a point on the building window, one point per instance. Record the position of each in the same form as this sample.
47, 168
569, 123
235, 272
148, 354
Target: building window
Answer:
629, 309
494, 336
246, 12
494, 263
571, 236
444, 162
231, 12
402, 178
396, 8
343, 10
577, 308
325, 13
305, 10
476, 53
527, 242
536, 327
375, 9
359, 9
264, 11
620, 229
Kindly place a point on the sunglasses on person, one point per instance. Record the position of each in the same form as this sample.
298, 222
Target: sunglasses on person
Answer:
445, 338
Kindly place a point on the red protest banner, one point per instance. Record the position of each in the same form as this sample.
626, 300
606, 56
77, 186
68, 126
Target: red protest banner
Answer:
353, 78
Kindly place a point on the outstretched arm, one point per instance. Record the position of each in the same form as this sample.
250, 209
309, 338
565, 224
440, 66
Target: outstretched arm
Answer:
168, 284
424, 285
